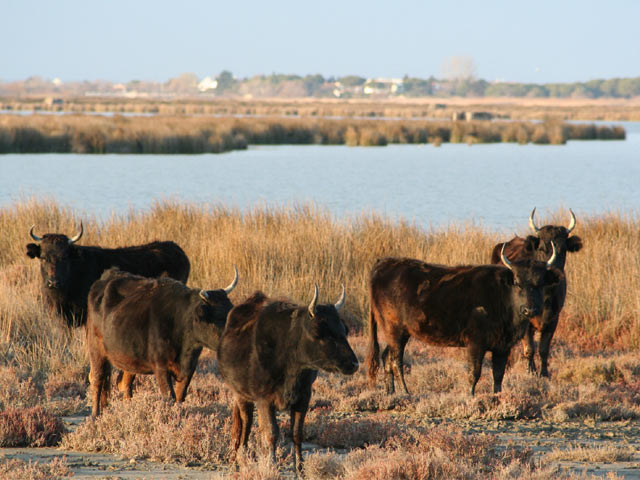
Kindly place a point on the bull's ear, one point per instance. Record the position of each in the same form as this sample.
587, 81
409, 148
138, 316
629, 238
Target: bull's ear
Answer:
508, 278
552, 276
531, 243
33, 250
574, 244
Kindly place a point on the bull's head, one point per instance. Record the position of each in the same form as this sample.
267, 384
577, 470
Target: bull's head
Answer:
530, 277
56, 253
211, 314
324, 344
540, 244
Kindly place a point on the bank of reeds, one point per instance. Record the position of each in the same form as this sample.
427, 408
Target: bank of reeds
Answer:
188, 134
425, 108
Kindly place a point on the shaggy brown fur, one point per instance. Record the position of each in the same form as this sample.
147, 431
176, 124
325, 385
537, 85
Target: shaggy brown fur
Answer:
484, 308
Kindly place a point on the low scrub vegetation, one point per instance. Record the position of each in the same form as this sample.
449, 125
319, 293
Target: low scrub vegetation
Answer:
17, 469
174, 134
29, 427
152, 427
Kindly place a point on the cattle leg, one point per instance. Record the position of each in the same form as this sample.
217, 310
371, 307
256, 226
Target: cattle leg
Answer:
268, 427
298, 413
164, 382
545, 343
388, 370
397, 360
498, 364
241, 426
182, 385
529, 348
125, 383
476, 355
99, 375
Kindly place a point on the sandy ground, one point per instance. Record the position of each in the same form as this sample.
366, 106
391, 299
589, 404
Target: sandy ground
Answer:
542, 436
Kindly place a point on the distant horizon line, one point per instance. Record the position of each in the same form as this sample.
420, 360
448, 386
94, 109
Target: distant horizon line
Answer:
53, 79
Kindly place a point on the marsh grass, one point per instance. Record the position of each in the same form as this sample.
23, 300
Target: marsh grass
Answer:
188, 135
17, 469
433, 108
601, 454
283, 251
441, 452
29, 427
158, 429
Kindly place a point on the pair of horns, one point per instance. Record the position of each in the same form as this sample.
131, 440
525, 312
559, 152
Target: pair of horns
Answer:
71, 240
205, 296
532, 224
509, 265
314, 301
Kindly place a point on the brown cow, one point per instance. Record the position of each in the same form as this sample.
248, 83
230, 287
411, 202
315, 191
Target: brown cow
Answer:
484, 308
539, 248
269, 355
150, 325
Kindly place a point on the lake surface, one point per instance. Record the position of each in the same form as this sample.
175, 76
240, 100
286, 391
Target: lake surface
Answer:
493, 185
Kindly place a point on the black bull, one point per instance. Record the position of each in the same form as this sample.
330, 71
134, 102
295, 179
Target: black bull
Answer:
150, 325
68, 270
484, 308
539, 247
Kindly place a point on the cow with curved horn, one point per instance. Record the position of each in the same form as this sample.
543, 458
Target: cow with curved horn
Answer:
150, 325
483, 308
540, 247
269, 355
68, 270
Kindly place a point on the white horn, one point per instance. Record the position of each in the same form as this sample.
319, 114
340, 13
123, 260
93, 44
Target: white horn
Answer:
314, 300
572, 223
33, 235
77, 237
504, 259
340, 301
204, 295
532, 224
233, 284
552, 260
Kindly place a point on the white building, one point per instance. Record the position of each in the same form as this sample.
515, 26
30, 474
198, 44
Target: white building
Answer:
207, 84
383, 86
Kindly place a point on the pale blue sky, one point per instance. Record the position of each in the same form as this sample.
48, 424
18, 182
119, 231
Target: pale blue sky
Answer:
536, 41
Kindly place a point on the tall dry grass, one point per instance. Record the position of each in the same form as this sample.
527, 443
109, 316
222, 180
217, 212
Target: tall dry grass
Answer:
185, 134
287, 250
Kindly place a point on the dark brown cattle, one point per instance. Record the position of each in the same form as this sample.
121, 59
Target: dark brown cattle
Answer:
69, 270
269, 355
150, 325
539, 247
484, 308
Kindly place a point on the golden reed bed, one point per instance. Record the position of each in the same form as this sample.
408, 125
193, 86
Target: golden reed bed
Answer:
201, 134
283, 251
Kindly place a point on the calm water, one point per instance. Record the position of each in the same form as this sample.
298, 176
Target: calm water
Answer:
495, 186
